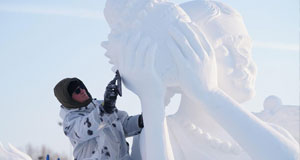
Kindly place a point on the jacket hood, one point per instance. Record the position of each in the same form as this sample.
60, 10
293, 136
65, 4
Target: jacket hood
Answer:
63, 96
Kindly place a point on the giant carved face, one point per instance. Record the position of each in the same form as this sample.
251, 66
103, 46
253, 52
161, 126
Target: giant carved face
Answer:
223, 27
225, 30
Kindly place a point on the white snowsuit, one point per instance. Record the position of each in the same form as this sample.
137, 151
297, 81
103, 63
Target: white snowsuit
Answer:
96, 135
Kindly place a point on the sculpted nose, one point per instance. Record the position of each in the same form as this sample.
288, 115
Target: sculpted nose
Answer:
242, 61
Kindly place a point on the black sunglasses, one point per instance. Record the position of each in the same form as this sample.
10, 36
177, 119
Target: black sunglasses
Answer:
77, 90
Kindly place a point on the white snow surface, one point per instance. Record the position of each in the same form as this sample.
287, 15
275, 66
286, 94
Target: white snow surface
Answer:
12, 153
201, 50
286, 116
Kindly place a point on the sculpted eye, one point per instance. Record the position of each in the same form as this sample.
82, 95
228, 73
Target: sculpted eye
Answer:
244, 51
222, 50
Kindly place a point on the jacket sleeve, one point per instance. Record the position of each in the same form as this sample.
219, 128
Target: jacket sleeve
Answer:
81, 126
130, 124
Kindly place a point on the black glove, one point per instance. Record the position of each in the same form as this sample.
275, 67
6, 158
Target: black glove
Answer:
110, 97
141, 121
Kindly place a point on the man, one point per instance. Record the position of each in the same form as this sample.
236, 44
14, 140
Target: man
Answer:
96, 129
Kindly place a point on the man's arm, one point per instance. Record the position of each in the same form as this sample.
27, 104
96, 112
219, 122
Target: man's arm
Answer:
131, 124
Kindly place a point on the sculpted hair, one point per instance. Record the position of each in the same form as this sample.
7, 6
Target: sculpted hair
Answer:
207, 11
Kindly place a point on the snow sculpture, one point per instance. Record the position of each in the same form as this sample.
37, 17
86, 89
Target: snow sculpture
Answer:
12, 153
286, 116
200, 49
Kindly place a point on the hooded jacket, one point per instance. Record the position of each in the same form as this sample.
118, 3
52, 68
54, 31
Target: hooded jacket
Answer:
63, 96
95, 134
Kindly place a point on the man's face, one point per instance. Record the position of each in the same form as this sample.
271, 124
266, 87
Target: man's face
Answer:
80, 95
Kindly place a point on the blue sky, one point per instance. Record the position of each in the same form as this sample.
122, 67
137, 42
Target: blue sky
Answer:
42, 42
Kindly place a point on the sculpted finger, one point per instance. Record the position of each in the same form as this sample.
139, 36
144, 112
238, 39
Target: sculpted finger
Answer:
141, 51
183, 44
192, 39
203, 39
150, 56
176, 53
132, 43
122, 42
130, 51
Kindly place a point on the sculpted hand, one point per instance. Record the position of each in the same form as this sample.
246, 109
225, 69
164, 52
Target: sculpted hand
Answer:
195, 59
136, 65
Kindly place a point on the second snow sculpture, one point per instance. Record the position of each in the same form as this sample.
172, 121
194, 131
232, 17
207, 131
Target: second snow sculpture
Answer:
201, 50
12, 153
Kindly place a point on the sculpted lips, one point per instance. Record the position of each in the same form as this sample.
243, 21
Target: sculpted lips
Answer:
242, 77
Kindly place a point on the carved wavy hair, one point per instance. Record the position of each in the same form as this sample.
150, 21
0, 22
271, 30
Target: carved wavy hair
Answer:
209, 10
